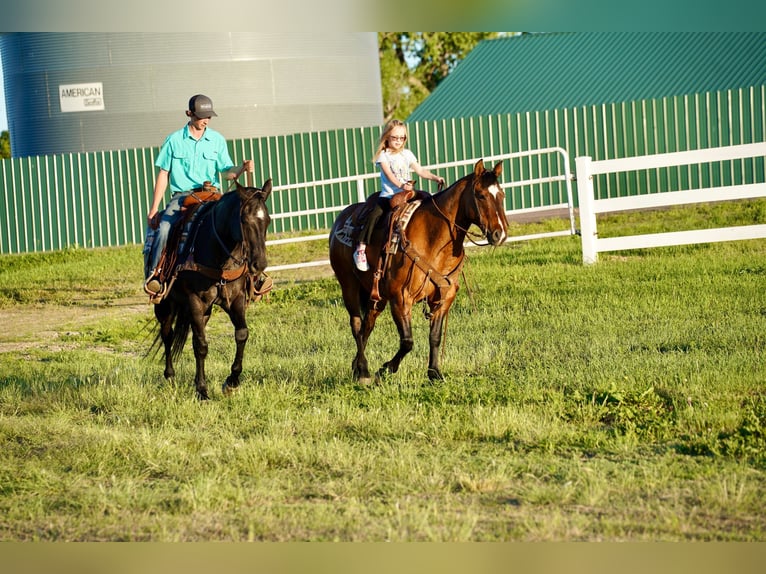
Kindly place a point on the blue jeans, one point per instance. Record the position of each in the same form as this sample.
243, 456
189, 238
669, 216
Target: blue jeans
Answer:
169, 216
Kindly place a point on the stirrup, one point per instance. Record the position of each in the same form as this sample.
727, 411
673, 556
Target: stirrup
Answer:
261, 287
155, 296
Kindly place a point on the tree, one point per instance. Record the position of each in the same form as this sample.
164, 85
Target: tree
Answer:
5, 145
413, 63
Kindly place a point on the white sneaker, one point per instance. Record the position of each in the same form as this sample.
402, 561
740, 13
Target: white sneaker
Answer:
360, 260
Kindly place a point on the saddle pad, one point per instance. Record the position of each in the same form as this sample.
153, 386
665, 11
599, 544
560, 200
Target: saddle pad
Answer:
406, 215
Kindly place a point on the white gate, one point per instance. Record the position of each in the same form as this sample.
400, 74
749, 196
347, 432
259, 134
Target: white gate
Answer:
589, 206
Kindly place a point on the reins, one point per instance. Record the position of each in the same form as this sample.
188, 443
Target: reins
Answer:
229, 254
419, 260
214, 272
236, 177
453, 224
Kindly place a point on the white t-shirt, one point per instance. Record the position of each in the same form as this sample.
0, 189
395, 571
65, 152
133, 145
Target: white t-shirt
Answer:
400, 166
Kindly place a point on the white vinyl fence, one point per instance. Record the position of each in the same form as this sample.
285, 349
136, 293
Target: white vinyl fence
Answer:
563, 176
590, 206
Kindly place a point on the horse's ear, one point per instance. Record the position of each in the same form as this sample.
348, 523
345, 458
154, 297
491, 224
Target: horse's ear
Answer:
266, 190
478, 169
498, 169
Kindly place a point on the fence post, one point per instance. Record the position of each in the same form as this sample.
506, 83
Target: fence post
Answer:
588, 229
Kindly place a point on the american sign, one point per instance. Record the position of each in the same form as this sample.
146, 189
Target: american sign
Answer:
81, 97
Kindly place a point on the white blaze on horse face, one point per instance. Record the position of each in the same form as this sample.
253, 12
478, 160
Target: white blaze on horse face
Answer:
495, 190
260, 214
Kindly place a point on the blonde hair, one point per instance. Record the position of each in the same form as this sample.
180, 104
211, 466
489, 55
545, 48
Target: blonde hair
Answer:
383, 141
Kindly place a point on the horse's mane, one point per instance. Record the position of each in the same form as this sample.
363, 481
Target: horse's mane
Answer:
449, 188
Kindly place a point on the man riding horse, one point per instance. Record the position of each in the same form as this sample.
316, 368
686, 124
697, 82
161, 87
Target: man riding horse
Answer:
189, 161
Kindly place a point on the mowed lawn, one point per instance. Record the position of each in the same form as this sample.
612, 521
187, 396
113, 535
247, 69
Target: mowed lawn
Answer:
622, 401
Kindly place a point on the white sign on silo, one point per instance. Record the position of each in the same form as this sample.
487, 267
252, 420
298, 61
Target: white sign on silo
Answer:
81, 97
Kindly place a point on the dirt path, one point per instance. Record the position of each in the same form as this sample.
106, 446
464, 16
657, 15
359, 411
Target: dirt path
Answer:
25, 326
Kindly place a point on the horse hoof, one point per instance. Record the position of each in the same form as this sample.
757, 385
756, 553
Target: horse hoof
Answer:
435, 375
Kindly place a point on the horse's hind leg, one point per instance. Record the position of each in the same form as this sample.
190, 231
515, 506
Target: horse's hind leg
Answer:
200, 346
362, 322
241, 334
164, 315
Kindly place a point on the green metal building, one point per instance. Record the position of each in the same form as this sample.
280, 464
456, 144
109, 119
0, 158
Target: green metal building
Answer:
606, 95
549, 71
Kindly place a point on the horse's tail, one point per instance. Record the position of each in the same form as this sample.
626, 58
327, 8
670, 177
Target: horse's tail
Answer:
180, 334
181, 326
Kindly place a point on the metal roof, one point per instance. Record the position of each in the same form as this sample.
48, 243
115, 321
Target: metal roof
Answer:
546, 71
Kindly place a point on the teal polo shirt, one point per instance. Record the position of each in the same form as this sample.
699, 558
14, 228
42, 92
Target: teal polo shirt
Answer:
191, 162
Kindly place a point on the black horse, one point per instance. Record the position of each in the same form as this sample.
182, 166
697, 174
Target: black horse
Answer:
226, 255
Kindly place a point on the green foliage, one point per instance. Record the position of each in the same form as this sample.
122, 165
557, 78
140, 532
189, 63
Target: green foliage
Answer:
5, 145
747, 439
413, 63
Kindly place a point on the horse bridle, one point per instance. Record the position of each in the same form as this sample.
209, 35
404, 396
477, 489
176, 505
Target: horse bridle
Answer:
453, 224
242, 242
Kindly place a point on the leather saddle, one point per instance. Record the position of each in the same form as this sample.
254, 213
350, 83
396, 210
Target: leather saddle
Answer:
183, 228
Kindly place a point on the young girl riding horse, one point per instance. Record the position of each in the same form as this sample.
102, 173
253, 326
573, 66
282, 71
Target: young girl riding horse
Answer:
396, 164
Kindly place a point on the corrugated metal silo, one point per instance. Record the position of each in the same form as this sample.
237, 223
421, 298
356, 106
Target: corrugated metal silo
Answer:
83, 92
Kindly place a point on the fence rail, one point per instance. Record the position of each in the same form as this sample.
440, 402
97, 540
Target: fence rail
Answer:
587, 169
100, 199
564, 176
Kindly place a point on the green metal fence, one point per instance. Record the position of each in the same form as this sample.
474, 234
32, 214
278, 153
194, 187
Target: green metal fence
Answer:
100, 199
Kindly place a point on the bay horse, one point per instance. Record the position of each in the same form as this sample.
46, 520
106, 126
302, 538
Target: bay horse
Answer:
425, 266
225, 256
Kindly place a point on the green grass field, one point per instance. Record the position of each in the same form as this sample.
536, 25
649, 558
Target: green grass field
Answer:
622, 401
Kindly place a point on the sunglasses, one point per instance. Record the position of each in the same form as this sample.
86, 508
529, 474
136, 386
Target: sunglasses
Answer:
397, 138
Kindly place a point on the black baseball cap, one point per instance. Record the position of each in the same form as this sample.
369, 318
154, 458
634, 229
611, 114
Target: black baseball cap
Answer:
201, 106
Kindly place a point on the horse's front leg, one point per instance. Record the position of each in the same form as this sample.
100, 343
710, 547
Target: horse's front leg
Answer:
164, 315
439, 311
199, 343
402, 314
241, 334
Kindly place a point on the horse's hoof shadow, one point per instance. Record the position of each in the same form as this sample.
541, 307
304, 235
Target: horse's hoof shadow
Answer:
364, 382
383, 376
228, 390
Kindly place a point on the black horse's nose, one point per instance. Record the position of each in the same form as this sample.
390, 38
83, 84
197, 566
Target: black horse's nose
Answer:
496, 236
